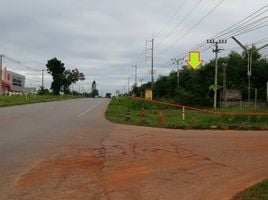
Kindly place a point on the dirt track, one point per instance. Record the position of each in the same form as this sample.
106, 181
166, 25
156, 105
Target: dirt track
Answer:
145, 163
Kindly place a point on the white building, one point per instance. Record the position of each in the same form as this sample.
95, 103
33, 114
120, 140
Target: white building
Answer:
11, 82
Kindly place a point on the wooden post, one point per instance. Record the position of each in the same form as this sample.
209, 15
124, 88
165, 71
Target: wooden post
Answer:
128, 115
183, 113
256, 97
142, 117
160, 119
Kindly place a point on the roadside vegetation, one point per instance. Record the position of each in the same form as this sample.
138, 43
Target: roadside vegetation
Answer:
122, 107
257, 192
196, 88
20, 100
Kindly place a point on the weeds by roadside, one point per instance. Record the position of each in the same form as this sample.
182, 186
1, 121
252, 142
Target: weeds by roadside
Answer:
173, 117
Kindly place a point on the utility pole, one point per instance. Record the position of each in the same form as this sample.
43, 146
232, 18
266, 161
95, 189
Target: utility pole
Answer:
152, 59
178, 62
136, 83
216, 51
224, 83
135, 74
128, 86
1, 64
247, 51
43, 79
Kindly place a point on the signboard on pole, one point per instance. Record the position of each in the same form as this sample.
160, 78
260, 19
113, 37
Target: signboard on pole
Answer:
149, 95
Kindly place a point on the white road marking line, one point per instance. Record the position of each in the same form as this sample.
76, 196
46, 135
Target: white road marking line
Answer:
85, 112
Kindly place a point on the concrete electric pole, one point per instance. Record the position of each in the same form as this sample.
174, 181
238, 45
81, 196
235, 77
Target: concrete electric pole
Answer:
127, 86
216, 51
43, 79
247, 51
1, 63
135, 78
224, 83
178, 62
152, 59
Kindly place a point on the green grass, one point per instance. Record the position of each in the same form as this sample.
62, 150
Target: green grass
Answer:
257, 192
20, 100
173, 117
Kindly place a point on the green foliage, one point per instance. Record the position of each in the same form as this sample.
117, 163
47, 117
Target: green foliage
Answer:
71, 76
257, 192
43, 91
94, 91
135, 90
56, 68
62, 78
108, 95
196, 87
20, 100
118, 108
215, 87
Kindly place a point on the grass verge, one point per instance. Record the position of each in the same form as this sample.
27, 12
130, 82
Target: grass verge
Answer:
256, 192
20, 100
118, 109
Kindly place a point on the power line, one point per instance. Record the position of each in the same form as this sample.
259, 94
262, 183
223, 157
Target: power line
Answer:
195, 25
239, 23
165, 67
19, 63
185, 17
252, 29
240, 29
170, 18
225, 31
243, 26
262, 40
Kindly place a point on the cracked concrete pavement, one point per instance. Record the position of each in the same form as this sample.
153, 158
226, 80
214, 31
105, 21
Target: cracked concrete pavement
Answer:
87, 157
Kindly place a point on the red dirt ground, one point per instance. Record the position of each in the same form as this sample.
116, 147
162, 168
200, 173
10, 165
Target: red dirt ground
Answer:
147, 163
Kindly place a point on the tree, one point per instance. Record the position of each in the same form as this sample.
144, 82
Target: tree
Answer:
42, 91
62, 78
108, 95
71, 76
135, 90
197, 88
94, 91
56, 68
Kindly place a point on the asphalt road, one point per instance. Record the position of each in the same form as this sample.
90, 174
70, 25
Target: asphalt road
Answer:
67, 150
30, 133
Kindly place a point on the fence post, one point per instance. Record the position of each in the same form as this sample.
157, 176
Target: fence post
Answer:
256, 97
142, 116
183, 113
160, 119
128, 115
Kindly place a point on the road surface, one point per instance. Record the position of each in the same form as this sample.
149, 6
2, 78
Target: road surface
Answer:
67, 150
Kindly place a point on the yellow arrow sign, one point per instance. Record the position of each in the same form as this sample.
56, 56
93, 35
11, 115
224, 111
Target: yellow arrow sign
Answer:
194, 60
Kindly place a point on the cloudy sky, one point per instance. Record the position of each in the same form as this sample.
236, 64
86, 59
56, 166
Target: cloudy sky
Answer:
105, 38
